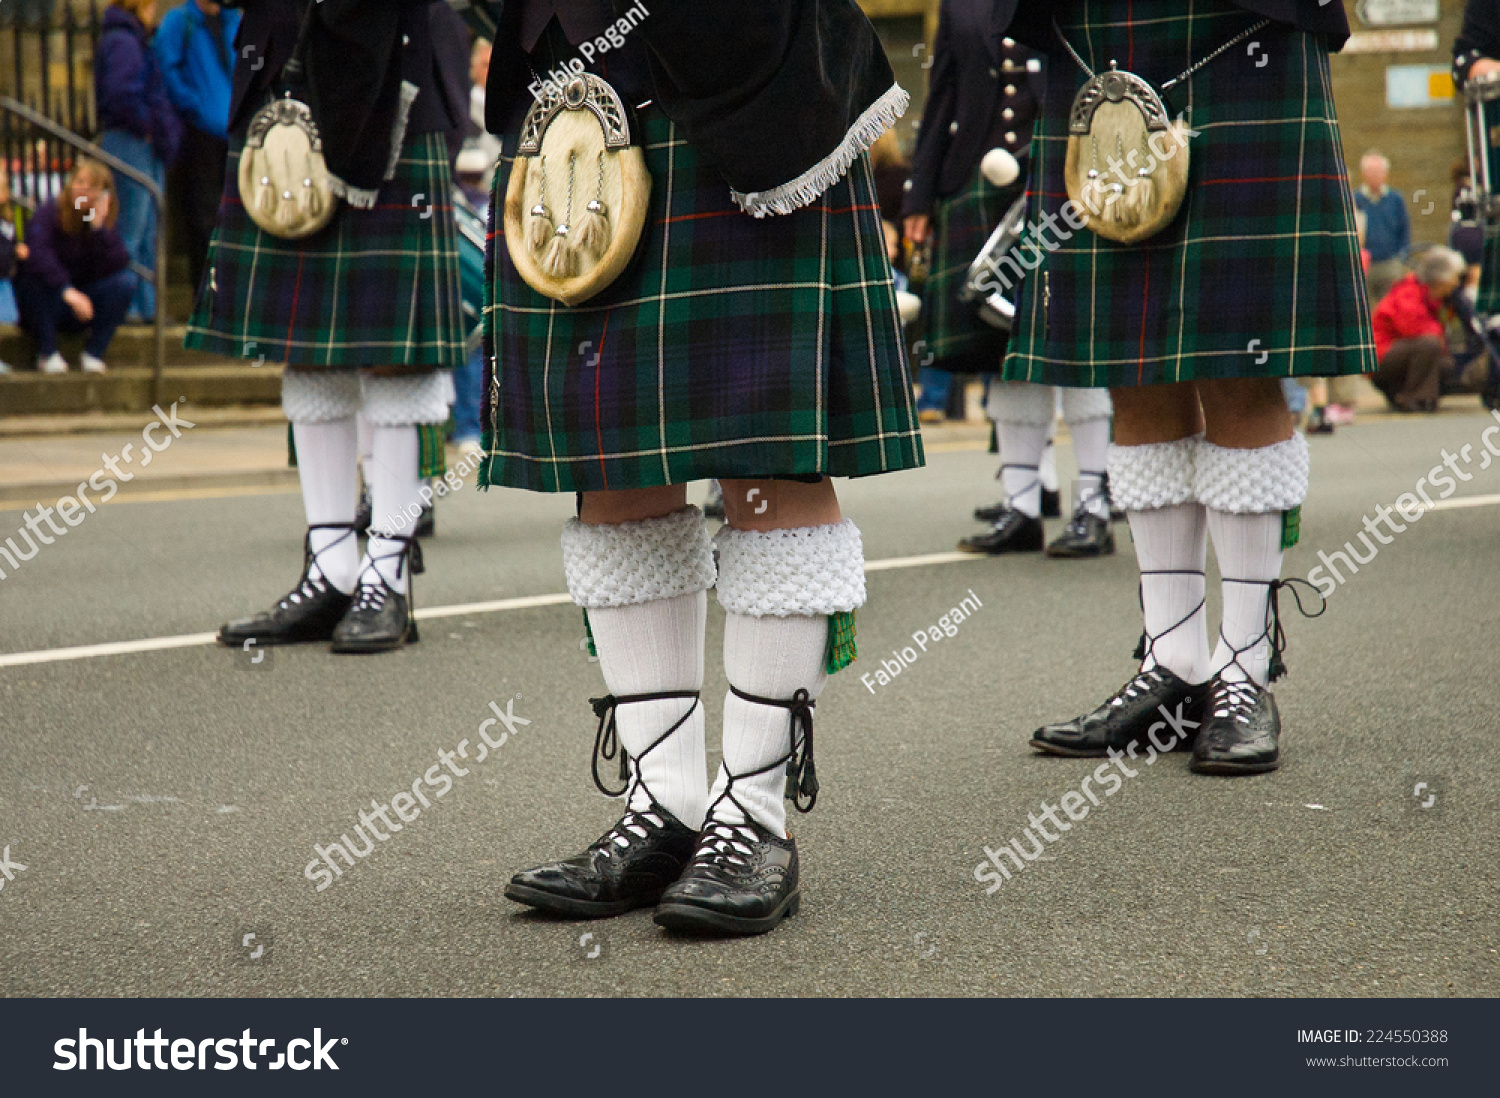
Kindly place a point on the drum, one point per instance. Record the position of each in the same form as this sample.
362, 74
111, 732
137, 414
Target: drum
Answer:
1482, 126
988, 285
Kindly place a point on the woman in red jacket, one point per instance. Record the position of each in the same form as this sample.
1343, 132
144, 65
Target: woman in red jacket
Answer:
1409, 336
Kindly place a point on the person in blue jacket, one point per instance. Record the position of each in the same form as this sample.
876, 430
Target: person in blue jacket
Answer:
139, 125
195, 51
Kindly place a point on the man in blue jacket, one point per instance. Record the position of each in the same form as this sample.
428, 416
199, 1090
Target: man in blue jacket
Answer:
195, 50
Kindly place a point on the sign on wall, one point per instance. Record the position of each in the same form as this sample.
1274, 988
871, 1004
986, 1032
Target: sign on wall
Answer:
1396, 13
1408, 86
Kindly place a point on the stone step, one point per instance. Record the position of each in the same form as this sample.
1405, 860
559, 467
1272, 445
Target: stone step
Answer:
28, 393
133, 345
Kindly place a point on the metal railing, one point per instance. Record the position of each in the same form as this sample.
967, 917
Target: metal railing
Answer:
13, 108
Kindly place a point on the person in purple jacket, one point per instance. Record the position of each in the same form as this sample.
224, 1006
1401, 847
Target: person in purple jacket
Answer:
139, 125
76, 276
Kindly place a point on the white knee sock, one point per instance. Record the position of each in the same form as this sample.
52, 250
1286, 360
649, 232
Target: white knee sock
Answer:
1021, 447
1248, 547
1047, 470
1246, 492
1172, 542
769, 657
1154, 483
649, 648
326, 468
1091, 448
364, 434
395, 496
645, 588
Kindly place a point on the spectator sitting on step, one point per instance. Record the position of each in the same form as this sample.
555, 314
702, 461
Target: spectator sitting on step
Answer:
1410, 336
12, 251
77, 274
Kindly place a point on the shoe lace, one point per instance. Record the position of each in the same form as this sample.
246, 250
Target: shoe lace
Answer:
607, 740
1273, 631
1234, 698
374, 591
1144, 681
1146, 648
721, 842
309, 586
630, 826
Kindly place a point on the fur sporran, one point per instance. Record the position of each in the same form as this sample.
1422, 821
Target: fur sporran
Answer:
1127, 162
579, 191
283, 180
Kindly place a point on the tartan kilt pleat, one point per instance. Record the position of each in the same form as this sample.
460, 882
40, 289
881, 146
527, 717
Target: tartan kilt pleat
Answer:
1259, 274
1488, 302
375, 287
731, 346
956, 338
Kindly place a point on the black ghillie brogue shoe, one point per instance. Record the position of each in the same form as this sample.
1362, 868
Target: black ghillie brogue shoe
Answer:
1014, 532
309, 612
1241, 731
629, 866
743, 877
1086, 535
380, 618
1051, 507
1154, 696
742, 880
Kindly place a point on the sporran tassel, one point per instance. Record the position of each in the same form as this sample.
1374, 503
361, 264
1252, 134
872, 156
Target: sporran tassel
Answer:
561, 260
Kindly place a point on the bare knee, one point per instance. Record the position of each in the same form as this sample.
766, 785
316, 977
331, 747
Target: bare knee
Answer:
631, 504
779, 504
1156, 413
1245, 413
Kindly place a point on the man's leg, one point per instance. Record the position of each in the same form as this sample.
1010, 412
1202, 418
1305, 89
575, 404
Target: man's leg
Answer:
1151, 470
320, 406
1023, 414
788, 563
639, 563
1088, 413
381, 617
1252, 477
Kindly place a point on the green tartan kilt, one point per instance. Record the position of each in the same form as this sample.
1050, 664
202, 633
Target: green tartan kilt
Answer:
730, 347
377, 287
957, 339
1259, 274
1488, 302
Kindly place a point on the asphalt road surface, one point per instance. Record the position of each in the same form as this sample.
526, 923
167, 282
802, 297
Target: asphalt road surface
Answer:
164, 801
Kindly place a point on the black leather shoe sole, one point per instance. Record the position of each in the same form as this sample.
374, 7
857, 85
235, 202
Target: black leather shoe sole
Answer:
270, 640
705, 920
575, 908
1233, 769
1060, 551
1048, 748
364, 646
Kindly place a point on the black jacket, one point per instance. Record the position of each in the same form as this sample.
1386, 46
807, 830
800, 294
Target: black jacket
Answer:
1479, 37
358, 56
975, 78
1032, 22
779, 95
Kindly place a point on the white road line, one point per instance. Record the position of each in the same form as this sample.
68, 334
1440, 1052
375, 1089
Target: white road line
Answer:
526, 602
1463, 501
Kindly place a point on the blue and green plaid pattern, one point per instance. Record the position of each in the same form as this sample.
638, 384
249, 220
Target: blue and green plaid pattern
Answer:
374, 287
957, 338
1259, 274
731, 347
